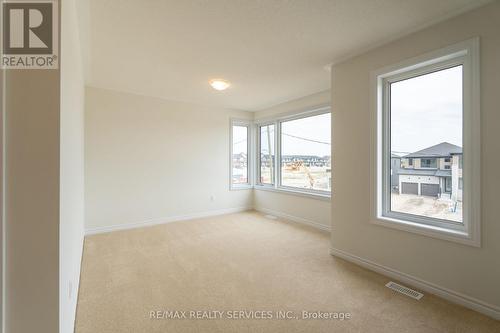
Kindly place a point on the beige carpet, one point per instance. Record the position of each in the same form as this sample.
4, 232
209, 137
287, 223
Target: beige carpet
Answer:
244, 262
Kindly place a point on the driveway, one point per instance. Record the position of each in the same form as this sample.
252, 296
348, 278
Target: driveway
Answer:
426, 206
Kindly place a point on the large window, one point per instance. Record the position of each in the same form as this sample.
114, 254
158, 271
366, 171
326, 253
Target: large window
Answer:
290, 153
266, 154
293, 154
239, 154
426, 115
305, 153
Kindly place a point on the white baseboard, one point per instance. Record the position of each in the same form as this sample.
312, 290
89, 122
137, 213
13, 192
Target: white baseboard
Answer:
163, 220
293, 218
78, 279
450, 295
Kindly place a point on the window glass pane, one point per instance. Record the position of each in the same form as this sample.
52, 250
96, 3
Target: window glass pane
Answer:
426, 135
267, 154
240, 155
305, 153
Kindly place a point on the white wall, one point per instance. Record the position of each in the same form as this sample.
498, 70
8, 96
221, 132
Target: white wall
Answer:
2, 208
474, 272
31, 217
44, 190
149, 159
294, 207
304, 209
300, 104
71, 228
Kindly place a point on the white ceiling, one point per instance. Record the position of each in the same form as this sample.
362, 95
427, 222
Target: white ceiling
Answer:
271, 51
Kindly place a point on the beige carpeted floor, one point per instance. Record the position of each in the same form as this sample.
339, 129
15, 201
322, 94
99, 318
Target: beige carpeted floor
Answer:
244, 262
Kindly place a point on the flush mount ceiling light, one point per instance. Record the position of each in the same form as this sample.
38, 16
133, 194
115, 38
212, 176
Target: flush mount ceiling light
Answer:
219, 84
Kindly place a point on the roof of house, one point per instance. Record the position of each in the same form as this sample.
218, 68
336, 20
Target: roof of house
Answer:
304, 157
423, 172
443, 173
440, 150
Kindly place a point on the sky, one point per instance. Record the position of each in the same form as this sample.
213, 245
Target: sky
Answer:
296, 136
426, 111
267, 134
316, 128
240, 144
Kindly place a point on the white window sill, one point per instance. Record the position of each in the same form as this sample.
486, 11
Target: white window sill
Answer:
452, 235
298, 192
238, 187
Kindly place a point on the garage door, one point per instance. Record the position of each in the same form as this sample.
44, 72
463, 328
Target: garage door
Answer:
409, 188
431, 190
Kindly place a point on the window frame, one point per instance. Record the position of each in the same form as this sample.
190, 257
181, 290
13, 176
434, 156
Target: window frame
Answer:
278, 186
258, 127
465, 54
249, 126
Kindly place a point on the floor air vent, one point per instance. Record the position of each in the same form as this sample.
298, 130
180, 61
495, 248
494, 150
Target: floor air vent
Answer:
404, 290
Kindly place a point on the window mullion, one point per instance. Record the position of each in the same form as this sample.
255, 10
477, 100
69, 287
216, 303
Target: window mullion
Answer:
277, 152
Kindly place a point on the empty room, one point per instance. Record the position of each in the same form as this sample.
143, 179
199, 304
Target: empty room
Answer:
250, 166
